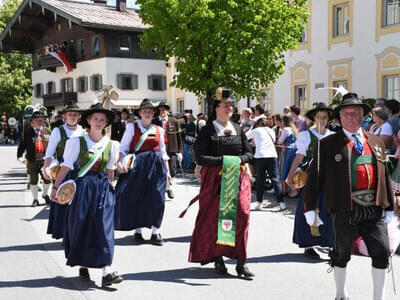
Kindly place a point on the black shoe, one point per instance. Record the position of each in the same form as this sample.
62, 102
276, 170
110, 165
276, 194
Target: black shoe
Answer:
138, 238
110, 279
220, 266
310, 253
47, 199
170, 194
156, 239
84, 274
35, 203
244, 270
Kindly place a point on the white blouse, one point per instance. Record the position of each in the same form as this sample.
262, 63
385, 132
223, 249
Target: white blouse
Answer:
55, 138
220, 129
264, 138
385, 129
130, 132
304, 139
72, 149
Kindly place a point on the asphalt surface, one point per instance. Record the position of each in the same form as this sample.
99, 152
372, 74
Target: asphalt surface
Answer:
32, 265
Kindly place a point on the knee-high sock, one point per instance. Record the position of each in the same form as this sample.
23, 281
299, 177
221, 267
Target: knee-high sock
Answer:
340, 280
379, 278
154, 230
34, 190
45, 191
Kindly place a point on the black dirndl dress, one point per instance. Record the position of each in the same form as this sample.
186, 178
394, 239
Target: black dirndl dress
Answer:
140, 194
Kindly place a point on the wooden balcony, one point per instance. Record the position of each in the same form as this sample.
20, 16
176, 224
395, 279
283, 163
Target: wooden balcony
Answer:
59, 99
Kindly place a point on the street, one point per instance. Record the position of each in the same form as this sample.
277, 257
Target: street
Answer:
33, 265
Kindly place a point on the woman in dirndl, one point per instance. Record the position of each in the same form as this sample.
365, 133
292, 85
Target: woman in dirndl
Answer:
306, 144
54, 155
140, 194
89, 233
218, 139
288, 141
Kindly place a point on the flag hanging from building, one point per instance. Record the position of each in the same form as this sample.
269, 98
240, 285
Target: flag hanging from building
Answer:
60, 56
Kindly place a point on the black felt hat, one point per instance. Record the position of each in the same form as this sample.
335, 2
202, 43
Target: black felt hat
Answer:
163, 104
319, 107
97, 108
71, 107
146, 103
351, 99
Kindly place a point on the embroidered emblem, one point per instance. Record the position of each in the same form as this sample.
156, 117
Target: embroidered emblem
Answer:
338, 157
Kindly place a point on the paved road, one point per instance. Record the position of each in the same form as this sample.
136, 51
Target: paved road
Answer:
32, 265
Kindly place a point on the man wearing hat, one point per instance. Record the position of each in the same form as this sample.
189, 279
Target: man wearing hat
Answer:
35, 141
350, 169
172, 139
118, 127
306, 144
71, 115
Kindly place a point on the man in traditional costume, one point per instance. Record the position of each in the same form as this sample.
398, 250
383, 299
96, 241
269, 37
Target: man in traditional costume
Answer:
350, 168
35, 141
173, 142
71, 115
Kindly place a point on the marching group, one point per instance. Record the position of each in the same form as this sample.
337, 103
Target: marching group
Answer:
344, 153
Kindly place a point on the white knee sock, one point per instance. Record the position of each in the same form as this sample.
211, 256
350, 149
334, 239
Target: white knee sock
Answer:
106, 270
340, 280
34, 190
139, 230
45, 191
154, 230
379, 278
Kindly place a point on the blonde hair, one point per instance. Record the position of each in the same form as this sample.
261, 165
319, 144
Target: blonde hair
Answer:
288, 122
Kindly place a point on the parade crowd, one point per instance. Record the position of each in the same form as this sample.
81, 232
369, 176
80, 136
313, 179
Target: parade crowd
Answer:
340, 163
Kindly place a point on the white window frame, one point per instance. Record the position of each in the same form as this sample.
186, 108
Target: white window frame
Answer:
266, 99
344, 29
391, 12
300, 100
67, 85
392, 86
181, 105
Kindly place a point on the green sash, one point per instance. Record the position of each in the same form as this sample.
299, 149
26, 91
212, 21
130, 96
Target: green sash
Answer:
228, 200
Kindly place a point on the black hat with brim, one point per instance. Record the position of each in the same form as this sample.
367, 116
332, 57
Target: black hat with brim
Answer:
96, 108
146, 103
351, 99
163, 104
37, 115
71, 107
319, 107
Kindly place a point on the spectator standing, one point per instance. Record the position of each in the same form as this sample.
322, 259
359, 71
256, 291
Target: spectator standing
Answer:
299, 121
190, 134
381, 127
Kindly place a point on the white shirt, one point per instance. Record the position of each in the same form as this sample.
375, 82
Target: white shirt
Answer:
220, 129
264, 138
55, 138
285, 133
384, 129
163, 120
72, 149
130, 132
359, 132
304, 139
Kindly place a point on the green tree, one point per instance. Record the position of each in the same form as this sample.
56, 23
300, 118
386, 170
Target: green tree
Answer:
15, 71
238, 44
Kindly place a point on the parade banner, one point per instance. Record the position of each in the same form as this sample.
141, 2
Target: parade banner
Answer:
228, 200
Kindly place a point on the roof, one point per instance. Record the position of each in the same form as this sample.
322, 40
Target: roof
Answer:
38, 15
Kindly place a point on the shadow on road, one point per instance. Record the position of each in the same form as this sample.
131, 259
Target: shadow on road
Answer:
34, 247
282, 258
179, 276
43, 214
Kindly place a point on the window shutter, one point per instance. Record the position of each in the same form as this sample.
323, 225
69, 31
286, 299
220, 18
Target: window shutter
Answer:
100, 82
149, 82
41, 89
78, 86
92, 87
86, 84
119, 81
135, 84
62, 86
164, 83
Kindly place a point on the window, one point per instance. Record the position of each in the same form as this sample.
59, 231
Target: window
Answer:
67, 85
96, 82
391, 12
300, 92
392, 87
124, 44
96, 45
341, 20
38, 90
266, 99
127, 81
181, 105
81, 48
50, 87
303, 38
157, 82
82, 84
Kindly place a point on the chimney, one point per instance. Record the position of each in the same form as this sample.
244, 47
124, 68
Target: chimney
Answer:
121, 5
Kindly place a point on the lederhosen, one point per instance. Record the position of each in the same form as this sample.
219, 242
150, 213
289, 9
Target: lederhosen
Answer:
40, 140
365, 218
